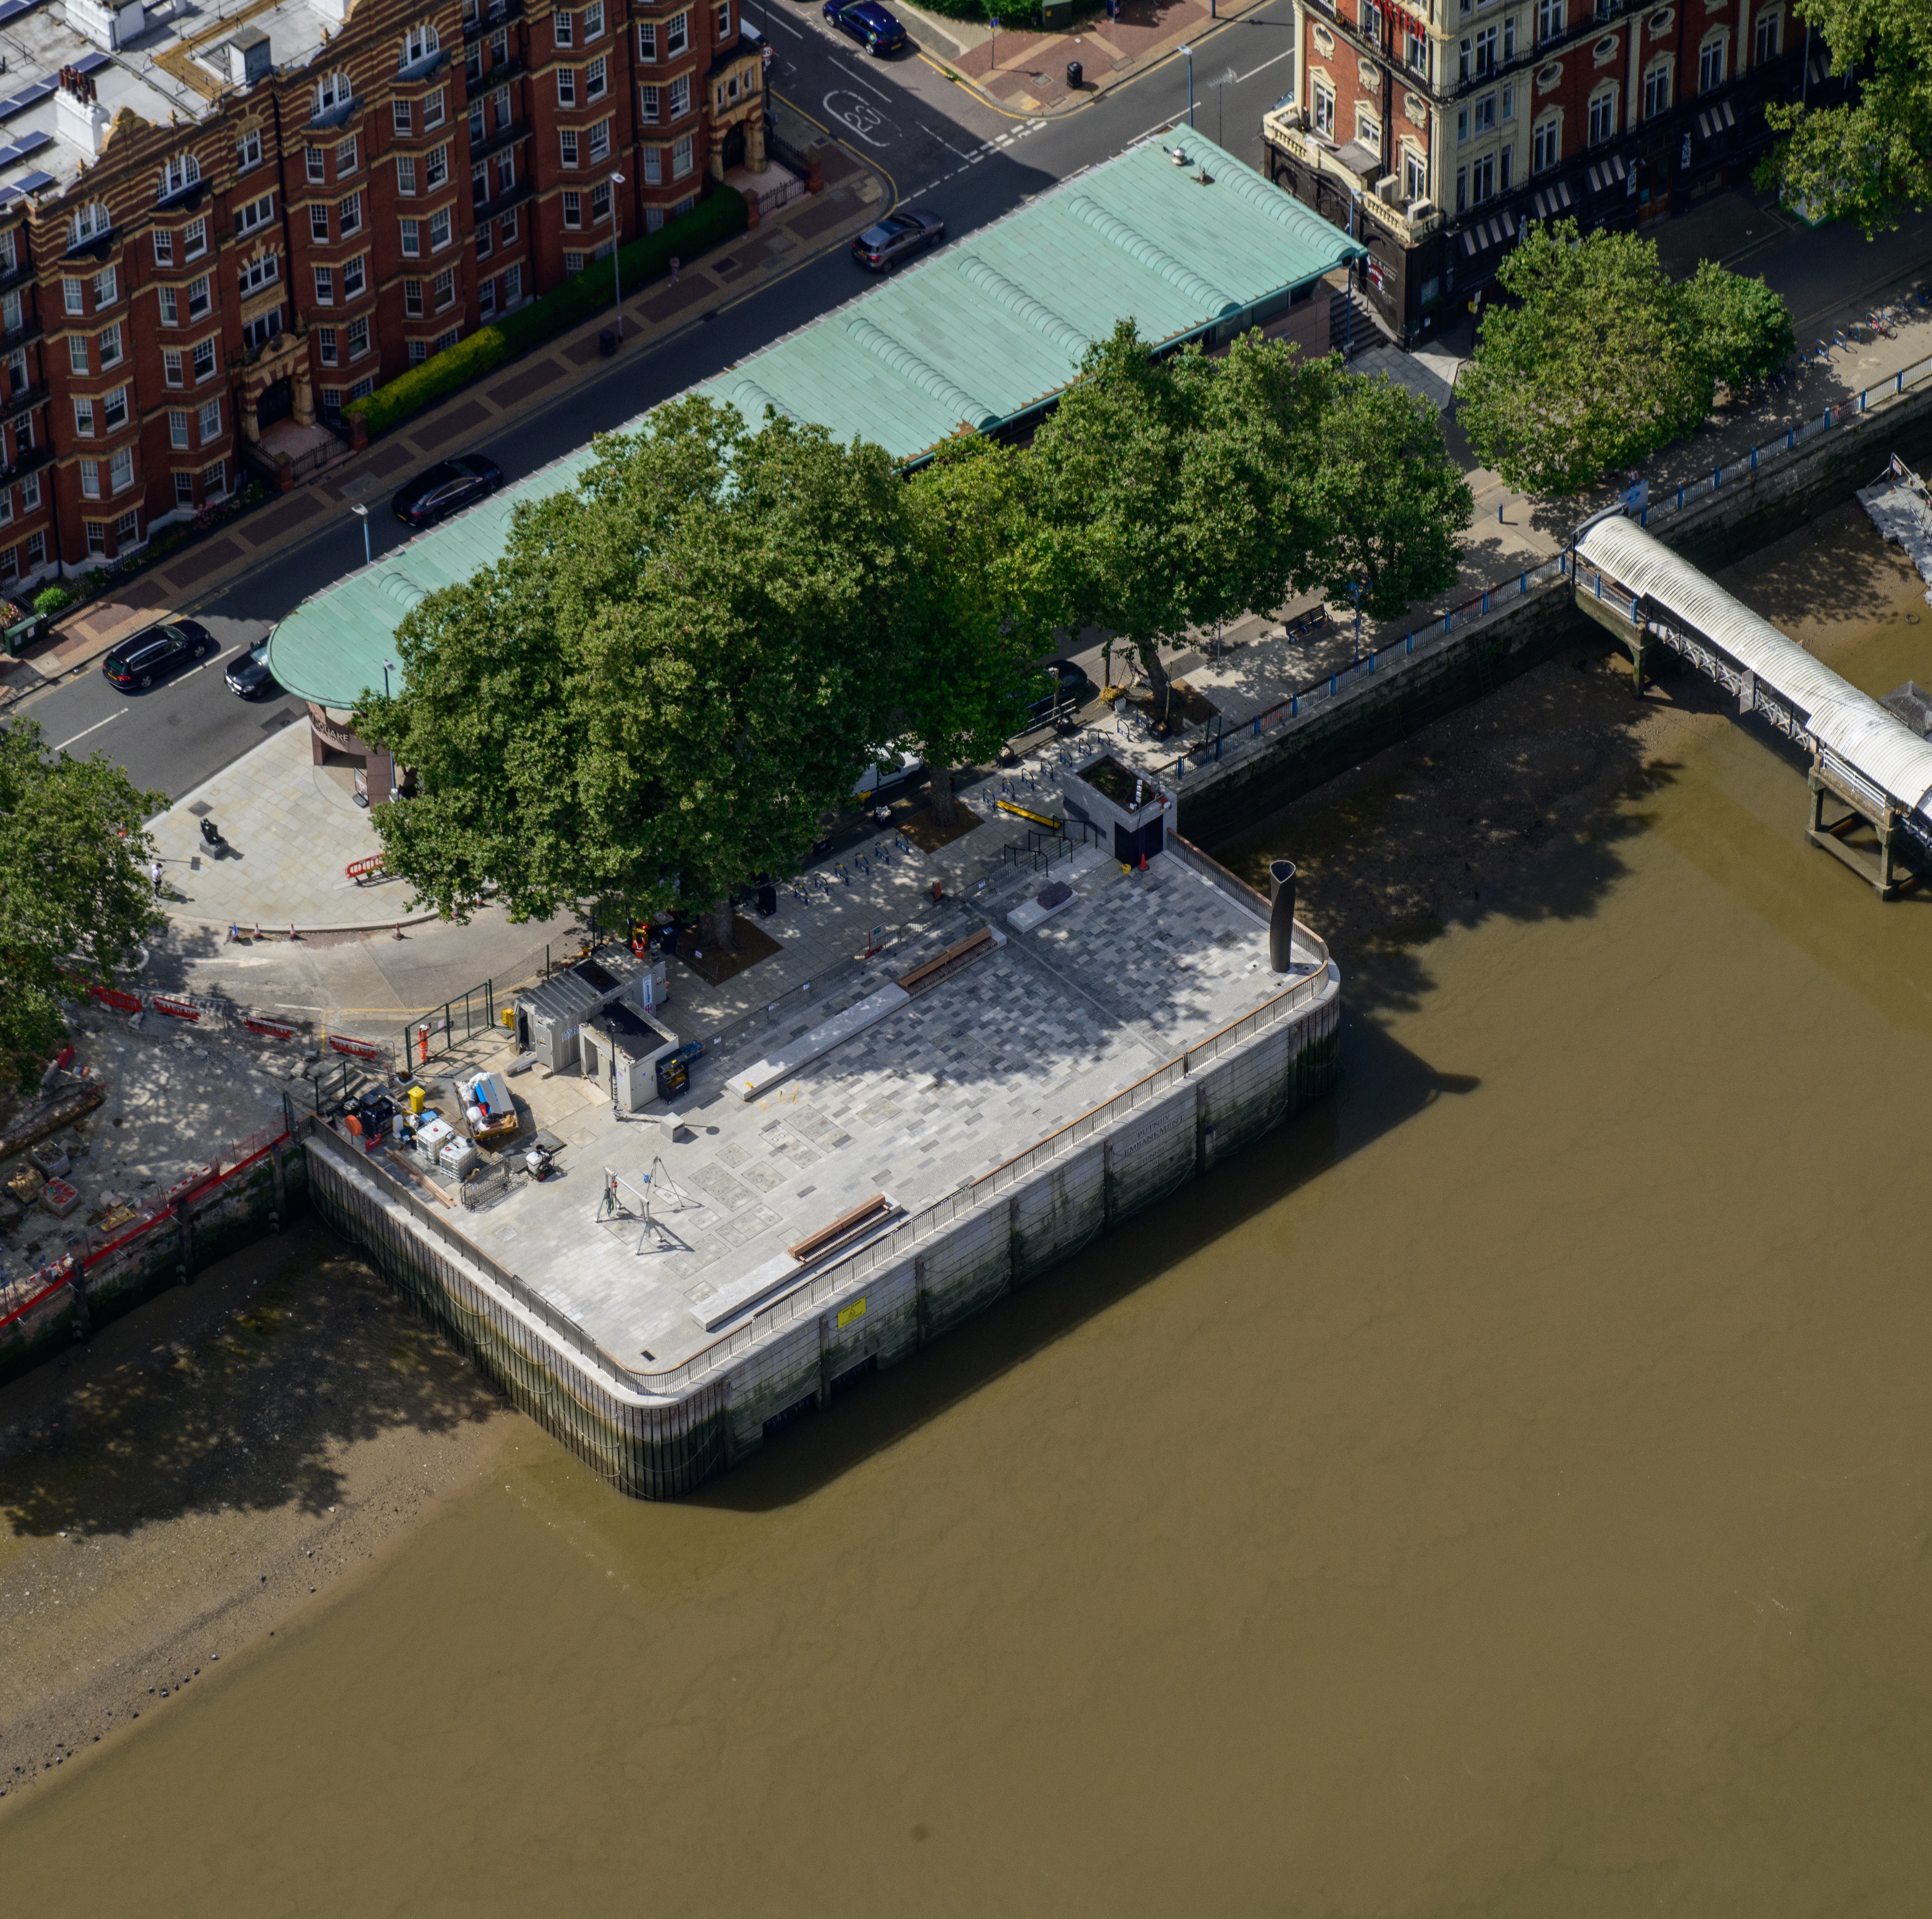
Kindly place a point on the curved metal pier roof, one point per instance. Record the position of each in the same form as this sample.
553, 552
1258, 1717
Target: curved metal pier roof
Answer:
1851, 724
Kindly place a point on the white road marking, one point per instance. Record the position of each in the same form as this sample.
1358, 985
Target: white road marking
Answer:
86, 731
859, 119
779, 20
943, 141
871, 89
1265, 66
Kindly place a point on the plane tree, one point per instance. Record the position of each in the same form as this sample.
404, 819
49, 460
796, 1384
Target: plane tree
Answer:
1390, 503
1869, 158
979, 612
674, 672
1598, 359
76, 901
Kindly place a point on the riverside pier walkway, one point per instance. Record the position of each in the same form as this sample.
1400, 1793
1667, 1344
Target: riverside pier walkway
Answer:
1863, 757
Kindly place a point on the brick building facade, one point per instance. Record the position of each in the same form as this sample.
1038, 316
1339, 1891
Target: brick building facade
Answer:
1434, 133
335, 192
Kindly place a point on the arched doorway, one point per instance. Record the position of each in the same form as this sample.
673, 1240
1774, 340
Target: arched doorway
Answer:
276, 403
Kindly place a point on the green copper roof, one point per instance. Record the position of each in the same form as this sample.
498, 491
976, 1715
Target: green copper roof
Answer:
991, 328
984, 331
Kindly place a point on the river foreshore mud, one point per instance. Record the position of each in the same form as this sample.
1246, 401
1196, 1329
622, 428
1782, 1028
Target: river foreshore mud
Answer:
206, 1470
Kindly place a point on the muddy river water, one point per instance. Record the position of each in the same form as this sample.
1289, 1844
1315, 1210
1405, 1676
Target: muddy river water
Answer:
1510, 1492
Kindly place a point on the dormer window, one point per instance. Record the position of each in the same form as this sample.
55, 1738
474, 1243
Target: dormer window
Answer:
418, 43
91, 220
333, 92
180, 172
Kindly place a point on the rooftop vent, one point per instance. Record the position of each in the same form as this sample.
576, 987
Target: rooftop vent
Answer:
245, 56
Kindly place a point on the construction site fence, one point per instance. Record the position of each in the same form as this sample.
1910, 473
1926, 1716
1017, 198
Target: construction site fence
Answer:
163, 1210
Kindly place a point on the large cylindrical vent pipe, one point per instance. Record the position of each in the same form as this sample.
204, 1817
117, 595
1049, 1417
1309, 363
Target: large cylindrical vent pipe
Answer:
1281, 915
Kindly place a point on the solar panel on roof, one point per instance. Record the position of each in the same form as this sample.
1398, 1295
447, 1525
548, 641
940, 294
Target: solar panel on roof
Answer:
19, 189
20, 149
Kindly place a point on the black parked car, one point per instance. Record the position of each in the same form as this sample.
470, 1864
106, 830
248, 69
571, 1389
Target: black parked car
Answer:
868, 23
155, 651
895, 238
448, 487
1065, 695
249, 676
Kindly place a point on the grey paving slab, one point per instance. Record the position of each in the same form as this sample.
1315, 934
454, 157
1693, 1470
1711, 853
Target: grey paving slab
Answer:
948, 1087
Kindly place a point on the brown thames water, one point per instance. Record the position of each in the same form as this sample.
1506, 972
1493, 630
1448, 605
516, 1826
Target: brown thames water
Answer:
1506, 1492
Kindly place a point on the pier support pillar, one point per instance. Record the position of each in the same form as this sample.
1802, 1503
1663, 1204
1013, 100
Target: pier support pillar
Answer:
922, 1310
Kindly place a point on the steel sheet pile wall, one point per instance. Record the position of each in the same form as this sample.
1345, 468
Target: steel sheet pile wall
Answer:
655, 1450
1227, 1093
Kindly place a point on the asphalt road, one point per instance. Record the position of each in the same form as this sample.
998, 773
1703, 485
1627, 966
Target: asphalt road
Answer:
941, 148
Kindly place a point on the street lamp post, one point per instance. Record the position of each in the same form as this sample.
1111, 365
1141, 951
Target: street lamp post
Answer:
616, 248
362, 514
1190, 52
389, 667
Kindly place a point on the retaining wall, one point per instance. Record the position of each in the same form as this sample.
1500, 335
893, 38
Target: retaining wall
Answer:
79, 1295
656, 1442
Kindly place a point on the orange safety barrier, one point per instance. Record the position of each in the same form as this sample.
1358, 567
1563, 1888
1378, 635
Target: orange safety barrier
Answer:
359, 869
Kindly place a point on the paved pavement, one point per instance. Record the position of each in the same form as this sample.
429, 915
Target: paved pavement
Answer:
932, 1095
289, 829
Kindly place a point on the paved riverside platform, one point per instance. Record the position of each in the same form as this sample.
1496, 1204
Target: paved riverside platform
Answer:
916, 1106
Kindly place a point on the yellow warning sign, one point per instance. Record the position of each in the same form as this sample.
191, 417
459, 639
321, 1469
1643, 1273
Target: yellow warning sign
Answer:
856, 1310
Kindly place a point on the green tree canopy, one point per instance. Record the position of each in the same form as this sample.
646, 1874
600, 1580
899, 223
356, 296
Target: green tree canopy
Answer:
1389, 502
1739, 329
1589, 372
73, 893
1604, 360
981, 611
1871, 158
1168, 493
668, 680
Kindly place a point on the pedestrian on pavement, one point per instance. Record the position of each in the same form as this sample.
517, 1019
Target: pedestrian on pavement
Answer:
154, 873
674, 265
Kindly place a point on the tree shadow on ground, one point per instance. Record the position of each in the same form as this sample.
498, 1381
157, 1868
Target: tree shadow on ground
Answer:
239, 1391
1516, 805
1834, 571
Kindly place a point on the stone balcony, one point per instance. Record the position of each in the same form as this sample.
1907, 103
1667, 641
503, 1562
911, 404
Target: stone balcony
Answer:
1356, 169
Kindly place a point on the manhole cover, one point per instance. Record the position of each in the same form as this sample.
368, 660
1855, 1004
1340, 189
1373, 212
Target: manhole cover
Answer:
726, 263
201, 809
275, 722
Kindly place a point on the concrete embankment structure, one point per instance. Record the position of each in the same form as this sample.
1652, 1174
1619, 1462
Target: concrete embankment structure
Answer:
1067, 1079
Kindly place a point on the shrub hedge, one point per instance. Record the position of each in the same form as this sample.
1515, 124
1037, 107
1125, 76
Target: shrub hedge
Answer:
714, 219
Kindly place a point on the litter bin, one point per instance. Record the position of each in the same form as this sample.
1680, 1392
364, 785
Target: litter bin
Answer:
606, 342
768, 900
1073, 73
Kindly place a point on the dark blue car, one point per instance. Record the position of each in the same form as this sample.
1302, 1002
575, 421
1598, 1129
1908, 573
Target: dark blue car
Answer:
868, 23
